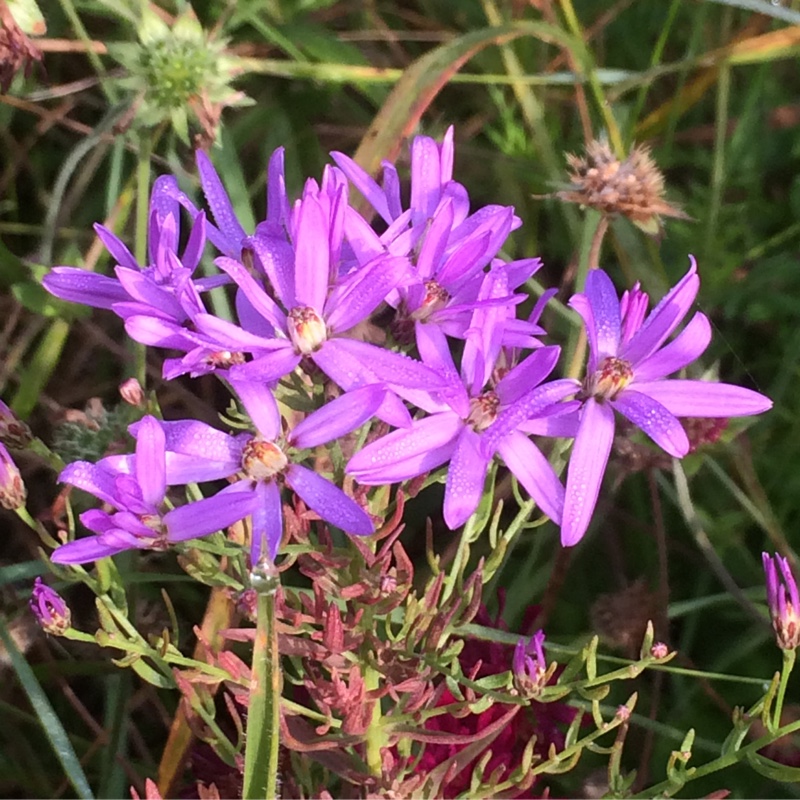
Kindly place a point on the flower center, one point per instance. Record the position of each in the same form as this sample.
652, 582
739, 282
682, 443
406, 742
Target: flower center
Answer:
436, 297
262, 460
224, 359
483, 411
612, 376
307, 329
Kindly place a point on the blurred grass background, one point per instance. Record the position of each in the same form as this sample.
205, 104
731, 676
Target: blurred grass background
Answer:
712, 86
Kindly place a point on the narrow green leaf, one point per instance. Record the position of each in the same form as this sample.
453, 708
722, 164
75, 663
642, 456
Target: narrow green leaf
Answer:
51, 725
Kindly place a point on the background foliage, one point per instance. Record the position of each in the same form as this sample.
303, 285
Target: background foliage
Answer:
712, 86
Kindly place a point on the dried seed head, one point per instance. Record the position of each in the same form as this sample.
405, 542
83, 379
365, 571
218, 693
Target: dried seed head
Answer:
633, 187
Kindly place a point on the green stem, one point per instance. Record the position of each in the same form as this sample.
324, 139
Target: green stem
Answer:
788, 665
263, 715
462, 555
376, 738
668, 787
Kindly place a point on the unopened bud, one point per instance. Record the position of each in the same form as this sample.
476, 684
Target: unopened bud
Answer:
12, 489
132, 393
783, 600
13, 431
659, 650
50, 610
529, 666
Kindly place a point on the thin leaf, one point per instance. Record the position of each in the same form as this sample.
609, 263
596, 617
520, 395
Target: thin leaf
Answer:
50, 723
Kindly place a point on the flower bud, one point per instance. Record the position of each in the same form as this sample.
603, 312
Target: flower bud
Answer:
12, 489
13, 431
132, 393
50, 610
784, 604
529, 666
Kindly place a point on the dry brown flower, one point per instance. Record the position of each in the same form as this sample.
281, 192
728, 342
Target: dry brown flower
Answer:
633, 188
17, 51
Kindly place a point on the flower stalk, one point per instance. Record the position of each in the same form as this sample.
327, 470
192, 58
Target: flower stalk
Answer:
263, 717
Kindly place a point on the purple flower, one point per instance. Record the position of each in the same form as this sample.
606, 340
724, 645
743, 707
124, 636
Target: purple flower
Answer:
12, 489
531, 673
258, 465
468, 425
49, 608
783, 600
626, 371
137, 493
165, 288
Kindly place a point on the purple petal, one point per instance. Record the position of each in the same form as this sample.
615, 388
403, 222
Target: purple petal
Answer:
603, 299
365, 242
373, 193
312, 254
587, 464
564, 423
232, 337
339, 417
664, 318
260, 404
689, 345
267, 522
362, 292
115, 246
407, 452
270, 366
534, 472
150, 460
91, 478
254, 292
82, 286
527, 374
434, 350
446, 156
465, 478
276, 257
391, 188
426, 178
704, 398
211, 514
196, 243
159, 333
464, 263
358, 363
220, 204
144, 289
538, 402
277, 202
655, 420
435, 242
90, 548
214, 454
331, 503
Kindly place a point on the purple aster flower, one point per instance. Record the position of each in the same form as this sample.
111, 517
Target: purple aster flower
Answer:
50, 610
626, 371
259, 465
158, 289
783, 600
431, 183
531, 673
314, 310
12, 489
136, 492
469, 424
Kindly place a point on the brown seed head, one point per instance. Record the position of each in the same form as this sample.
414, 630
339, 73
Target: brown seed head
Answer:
633, 187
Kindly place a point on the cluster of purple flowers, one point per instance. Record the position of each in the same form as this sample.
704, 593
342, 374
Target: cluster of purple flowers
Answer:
307, 283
